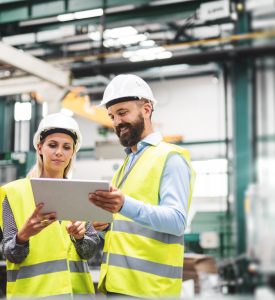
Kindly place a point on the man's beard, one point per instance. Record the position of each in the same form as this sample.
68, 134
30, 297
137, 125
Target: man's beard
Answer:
134, 133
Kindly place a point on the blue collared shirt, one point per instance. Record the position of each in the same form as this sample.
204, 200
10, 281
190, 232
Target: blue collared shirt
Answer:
171, 213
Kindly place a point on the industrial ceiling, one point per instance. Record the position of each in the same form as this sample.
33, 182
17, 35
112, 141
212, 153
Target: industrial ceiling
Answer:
93, 39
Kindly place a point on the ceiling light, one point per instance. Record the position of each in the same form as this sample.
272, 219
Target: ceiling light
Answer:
150, 56
65, 17
154, 50
147, 54
136, 58
115, 33
125, 41
85, 14
165, 54
89, 13
119, 32
147, 43
128, 40
95, 36
127, 54
111, 43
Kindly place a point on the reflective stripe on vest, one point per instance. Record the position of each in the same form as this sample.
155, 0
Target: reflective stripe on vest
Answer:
46, 268
135, 228
79, 267
37, 269
143, 265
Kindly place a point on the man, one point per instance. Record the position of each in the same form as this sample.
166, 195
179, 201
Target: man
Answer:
150, 194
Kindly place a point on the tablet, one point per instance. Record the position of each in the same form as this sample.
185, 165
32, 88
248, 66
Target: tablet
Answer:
69, 198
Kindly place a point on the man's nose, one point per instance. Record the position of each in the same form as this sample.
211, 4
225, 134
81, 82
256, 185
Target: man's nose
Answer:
117, 121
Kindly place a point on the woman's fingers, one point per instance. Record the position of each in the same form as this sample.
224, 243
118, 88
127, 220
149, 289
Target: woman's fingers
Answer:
76, 229
48, 216
46, 222
37, 210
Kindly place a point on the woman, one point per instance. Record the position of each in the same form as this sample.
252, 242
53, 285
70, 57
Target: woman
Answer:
46, 257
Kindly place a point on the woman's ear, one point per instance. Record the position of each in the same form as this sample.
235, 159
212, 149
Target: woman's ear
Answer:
39, 149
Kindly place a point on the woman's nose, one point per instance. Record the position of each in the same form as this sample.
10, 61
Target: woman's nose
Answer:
59, 151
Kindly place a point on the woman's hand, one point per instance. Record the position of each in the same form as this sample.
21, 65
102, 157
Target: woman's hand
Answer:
76, 229
100, 226
35, 223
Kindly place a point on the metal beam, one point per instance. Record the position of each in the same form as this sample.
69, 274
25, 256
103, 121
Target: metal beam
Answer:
242, 145
2, 124
6, 125
106, 68
20, 85
241, 81
34, 66
48, 92
138, 10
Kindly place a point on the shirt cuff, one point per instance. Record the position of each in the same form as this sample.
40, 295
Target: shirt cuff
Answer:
21, 245
130, 207
75, 241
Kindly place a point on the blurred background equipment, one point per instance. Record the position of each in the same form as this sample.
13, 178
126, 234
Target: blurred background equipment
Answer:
77, 101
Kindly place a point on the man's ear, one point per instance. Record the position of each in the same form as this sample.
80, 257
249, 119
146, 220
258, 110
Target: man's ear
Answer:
148, 108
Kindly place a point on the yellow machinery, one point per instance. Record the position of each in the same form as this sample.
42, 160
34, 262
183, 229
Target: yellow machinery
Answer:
78, 101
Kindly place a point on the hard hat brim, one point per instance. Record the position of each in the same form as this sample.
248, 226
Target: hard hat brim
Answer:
121, 99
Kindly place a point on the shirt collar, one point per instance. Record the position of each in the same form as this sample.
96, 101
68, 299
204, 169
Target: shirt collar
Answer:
153, 139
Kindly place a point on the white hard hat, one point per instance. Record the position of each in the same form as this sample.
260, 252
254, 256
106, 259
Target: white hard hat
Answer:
126, 87
58, 122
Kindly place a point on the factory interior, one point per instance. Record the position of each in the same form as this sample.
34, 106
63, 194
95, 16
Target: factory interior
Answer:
211, 67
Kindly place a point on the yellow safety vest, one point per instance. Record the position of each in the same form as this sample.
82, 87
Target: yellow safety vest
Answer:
52, 266
139, 261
